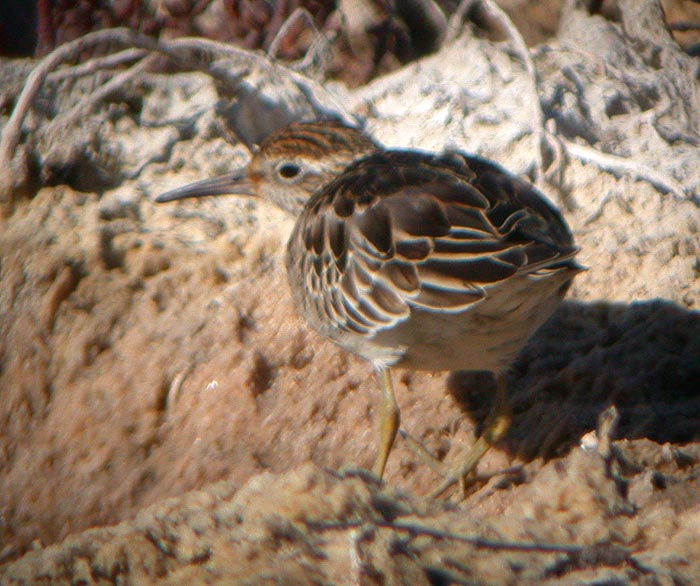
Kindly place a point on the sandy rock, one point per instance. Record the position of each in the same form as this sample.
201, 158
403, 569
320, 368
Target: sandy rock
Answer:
569, 524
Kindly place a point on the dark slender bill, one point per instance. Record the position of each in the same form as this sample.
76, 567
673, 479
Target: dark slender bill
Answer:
230, 184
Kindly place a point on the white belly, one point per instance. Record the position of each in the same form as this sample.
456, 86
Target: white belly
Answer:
486, 336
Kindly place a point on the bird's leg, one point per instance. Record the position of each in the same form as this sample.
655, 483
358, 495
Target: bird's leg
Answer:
389, 423
497, 425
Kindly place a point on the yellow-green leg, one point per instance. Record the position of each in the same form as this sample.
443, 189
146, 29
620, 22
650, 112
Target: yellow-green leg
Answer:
497, 425
389, 422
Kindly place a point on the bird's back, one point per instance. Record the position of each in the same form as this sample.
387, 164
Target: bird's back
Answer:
403, 234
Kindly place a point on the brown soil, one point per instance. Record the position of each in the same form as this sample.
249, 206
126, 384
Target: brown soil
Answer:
149, 351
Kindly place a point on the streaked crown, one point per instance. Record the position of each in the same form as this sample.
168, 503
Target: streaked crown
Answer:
297, 161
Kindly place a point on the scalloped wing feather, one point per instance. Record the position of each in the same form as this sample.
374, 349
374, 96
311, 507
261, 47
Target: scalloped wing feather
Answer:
402, 229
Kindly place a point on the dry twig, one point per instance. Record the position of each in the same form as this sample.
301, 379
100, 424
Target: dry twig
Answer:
140, 47
414, 529
502, 21
498, 15
318, 55
13, 129
621, 166
97, 64
456, 22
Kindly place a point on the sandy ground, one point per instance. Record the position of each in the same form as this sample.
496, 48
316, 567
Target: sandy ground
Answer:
157, 383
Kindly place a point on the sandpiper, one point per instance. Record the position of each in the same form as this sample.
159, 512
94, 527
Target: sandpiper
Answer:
410, 259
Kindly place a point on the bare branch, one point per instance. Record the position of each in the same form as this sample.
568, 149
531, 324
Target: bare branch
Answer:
479, 542
621, 166
498, 15
98, 64
456, 23
293, 19
69, 51
101, 93
500, 20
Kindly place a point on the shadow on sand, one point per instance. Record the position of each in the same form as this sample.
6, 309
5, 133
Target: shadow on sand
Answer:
642, 357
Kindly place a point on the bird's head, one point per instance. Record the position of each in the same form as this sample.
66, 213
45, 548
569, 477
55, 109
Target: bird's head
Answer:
289, 166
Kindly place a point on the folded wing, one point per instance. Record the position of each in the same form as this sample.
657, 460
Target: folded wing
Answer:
400, 230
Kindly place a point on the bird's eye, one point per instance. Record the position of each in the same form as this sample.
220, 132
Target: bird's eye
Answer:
288, 170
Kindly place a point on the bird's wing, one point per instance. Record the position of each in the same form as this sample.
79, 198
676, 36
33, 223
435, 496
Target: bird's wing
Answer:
401, 229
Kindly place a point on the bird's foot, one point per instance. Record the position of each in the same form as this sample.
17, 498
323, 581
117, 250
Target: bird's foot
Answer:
458, 472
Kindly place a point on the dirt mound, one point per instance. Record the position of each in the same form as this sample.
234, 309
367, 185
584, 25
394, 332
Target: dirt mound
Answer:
147, 351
